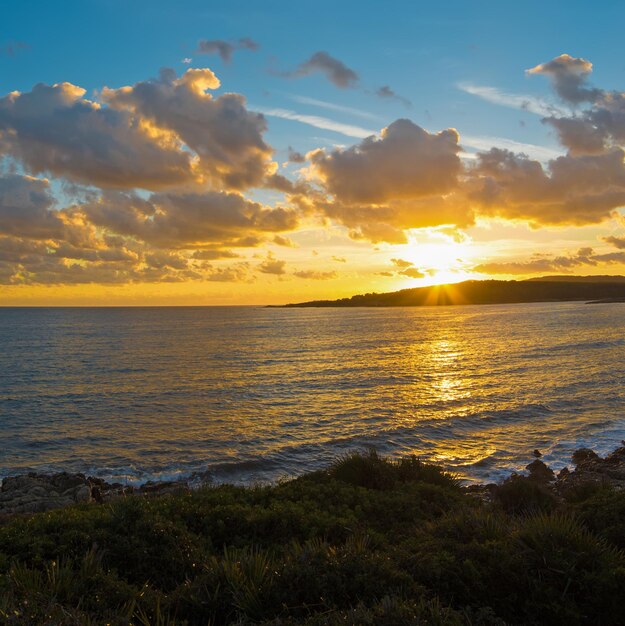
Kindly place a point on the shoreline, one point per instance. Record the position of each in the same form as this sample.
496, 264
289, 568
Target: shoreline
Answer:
36, 492
367, 541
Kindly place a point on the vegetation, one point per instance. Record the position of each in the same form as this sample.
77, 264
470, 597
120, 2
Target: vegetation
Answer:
369, 541
604, 288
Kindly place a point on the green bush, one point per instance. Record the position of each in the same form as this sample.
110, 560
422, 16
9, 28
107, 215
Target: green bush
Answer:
522, 495
369, 541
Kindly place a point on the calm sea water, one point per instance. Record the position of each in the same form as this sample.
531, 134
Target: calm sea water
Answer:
255, 394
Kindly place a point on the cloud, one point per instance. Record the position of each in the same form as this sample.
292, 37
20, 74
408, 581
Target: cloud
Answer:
24, 261
13, 48
404, 162
494, 95
568, 76
187, 219
161, 259
610, 257
339, 259
315, 275
55, 129
594, 130
572, 190
296, 157
279, 240
412, 272
410, 178
166, 166
404, 178
401, 264
583, 186
271, 265
332, 68
317, 121
485, 143
617, 242
227, 138
25, 208
233, 274
225, 49
589, 131
214, 254
403, 268
335, 107
541, 263
155, 134
386, 92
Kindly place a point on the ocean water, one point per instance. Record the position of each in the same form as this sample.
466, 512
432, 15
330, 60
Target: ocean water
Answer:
252, 394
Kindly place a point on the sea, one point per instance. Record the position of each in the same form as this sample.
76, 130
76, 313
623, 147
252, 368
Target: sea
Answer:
250, 395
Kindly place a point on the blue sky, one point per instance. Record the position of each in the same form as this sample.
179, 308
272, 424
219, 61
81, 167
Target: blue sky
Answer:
453, 65
421, 50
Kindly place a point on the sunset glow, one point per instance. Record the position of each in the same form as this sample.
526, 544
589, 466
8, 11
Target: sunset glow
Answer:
312, 313
255, 171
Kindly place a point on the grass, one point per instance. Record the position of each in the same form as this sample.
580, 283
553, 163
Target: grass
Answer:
368, 541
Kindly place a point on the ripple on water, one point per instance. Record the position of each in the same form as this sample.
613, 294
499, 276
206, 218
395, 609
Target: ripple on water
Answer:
250, 393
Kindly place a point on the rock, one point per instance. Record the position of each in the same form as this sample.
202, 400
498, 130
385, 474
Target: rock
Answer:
584, 456
162, 487
83, 494
537, 453
540, 472
33, 493
96, 494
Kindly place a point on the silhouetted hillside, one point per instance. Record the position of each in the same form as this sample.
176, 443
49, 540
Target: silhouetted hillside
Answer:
579, 279
485, 292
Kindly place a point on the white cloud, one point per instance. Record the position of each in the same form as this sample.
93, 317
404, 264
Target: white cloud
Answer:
318, 122
523, 102
485, 143
335, 107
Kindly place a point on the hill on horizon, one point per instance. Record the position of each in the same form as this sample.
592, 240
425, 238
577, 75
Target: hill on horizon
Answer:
566, 278
545, 289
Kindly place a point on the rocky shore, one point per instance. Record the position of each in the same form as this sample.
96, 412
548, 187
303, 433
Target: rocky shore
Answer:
35, 493
367, 540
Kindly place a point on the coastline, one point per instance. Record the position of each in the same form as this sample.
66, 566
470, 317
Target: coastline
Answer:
367, 541
35, 492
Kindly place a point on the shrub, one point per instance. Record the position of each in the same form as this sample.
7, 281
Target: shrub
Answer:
521, 495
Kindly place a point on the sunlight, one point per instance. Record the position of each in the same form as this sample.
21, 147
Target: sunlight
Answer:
442, 261
440, 257
444, 277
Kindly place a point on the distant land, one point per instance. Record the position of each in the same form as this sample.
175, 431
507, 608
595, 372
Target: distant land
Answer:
598, 289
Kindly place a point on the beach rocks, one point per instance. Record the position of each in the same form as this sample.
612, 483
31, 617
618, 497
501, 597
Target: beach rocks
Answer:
161, 487
590, 468
33, 493
540, 472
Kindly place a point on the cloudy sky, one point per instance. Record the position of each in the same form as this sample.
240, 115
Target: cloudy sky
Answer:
197, 152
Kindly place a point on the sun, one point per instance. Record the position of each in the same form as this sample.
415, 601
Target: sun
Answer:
443, 261
441, 257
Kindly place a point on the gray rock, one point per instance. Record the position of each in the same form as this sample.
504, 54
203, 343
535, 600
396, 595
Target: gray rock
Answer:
33, 493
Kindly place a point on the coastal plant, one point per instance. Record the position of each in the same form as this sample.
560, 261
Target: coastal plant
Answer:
372, 471
604, 513
522, 495
249, 575
403, 544
571, 571
362, 470
155, 616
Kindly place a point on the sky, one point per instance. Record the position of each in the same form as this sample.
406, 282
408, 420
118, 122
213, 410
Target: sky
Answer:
198, 153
